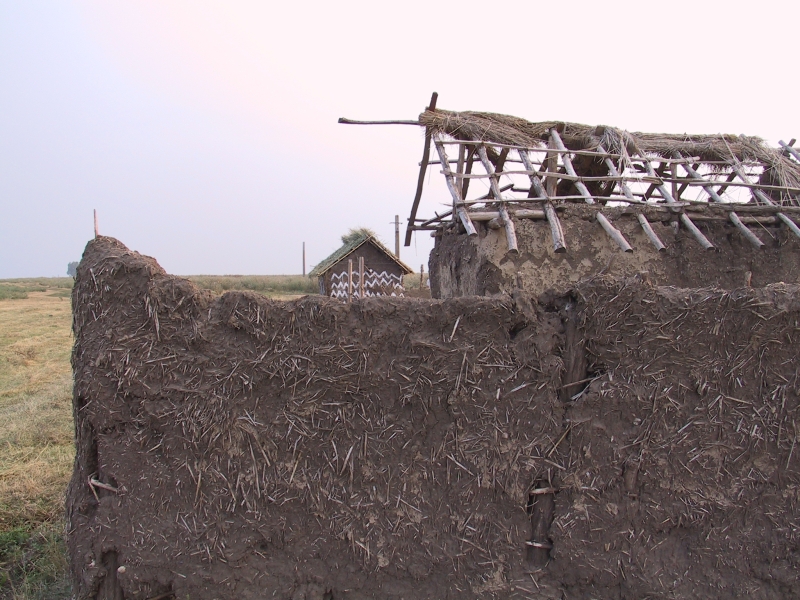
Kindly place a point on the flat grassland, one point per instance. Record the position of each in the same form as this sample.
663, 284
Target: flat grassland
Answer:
35, 436
36, 430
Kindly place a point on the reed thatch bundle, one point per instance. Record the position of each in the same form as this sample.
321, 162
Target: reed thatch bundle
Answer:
725, 148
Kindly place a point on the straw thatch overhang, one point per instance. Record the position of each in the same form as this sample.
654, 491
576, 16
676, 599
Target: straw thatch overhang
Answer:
527, 170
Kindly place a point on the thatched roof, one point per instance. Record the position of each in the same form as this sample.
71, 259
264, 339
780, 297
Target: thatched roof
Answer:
505, 129
352, 242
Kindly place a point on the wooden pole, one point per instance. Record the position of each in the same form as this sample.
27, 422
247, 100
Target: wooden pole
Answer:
759, 195
651, 235
350, 280
734, 218
789, 150
648, 229
687, 222
584, 191
421, 276
360, 277
397, 236
96, 232
304, 259
423, 169
615, 233
458, 203
508, 224
556, 232
467, 171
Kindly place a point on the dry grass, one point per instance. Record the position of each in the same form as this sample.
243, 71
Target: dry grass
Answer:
36, 439
282, 287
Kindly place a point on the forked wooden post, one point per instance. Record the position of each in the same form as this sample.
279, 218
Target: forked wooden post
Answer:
687, 222
734, 218
557, 233
458, 203
646, 227
759, 195
350, 280
360, 277
508, 224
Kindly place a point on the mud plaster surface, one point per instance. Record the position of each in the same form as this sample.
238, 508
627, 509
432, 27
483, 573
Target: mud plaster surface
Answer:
481, 265
389, 448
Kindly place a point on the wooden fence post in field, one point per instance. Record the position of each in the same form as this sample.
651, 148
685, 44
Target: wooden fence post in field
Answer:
350, 280
421, 275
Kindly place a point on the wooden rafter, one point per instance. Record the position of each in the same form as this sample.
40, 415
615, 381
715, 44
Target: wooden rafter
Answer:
648, 229
508, 224
734, 218
556, 231
758, 195
458, 202
684, 218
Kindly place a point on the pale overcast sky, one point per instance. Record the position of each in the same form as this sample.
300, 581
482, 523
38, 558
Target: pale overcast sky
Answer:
205, 133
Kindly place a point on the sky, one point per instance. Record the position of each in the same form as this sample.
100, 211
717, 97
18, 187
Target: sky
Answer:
205, 133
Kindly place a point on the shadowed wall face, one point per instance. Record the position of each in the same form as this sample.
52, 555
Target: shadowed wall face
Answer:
241, 447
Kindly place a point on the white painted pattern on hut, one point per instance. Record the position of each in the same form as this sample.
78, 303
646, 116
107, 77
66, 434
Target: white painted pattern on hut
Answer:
375, 284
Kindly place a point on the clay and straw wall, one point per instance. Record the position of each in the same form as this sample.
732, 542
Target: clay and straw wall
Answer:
615, 440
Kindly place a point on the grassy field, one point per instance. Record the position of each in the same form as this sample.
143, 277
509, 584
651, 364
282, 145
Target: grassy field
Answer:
35, 436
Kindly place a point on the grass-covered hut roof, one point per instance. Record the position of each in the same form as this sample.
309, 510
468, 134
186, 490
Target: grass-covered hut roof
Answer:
350, 243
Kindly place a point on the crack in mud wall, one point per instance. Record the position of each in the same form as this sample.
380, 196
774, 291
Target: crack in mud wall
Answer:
620, 441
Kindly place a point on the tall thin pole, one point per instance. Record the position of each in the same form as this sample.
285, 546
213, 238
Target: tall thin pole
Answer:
96, 233
350, 280
304, 259
360, 277
397, 236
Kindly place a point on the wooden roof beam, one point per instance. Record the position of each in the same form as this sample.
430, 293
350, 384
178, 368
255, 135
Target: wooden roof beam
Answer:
648, 229
612, 231
508, 224
734, 218
567, 161
458, 203
787, 148
758, 195
684, 218
556, 231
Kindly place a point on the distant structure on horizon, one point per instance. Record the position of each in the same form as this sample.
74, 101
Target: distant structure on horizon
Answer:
362, 267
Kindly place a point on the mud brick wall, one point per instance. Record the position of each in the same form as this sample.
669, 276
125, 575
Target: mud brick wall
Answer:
481, 265
618, 440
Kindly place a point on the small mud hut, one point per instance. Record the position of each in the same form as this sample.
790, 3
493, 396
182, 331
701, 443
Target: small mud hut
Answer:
361, 267
545, 205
